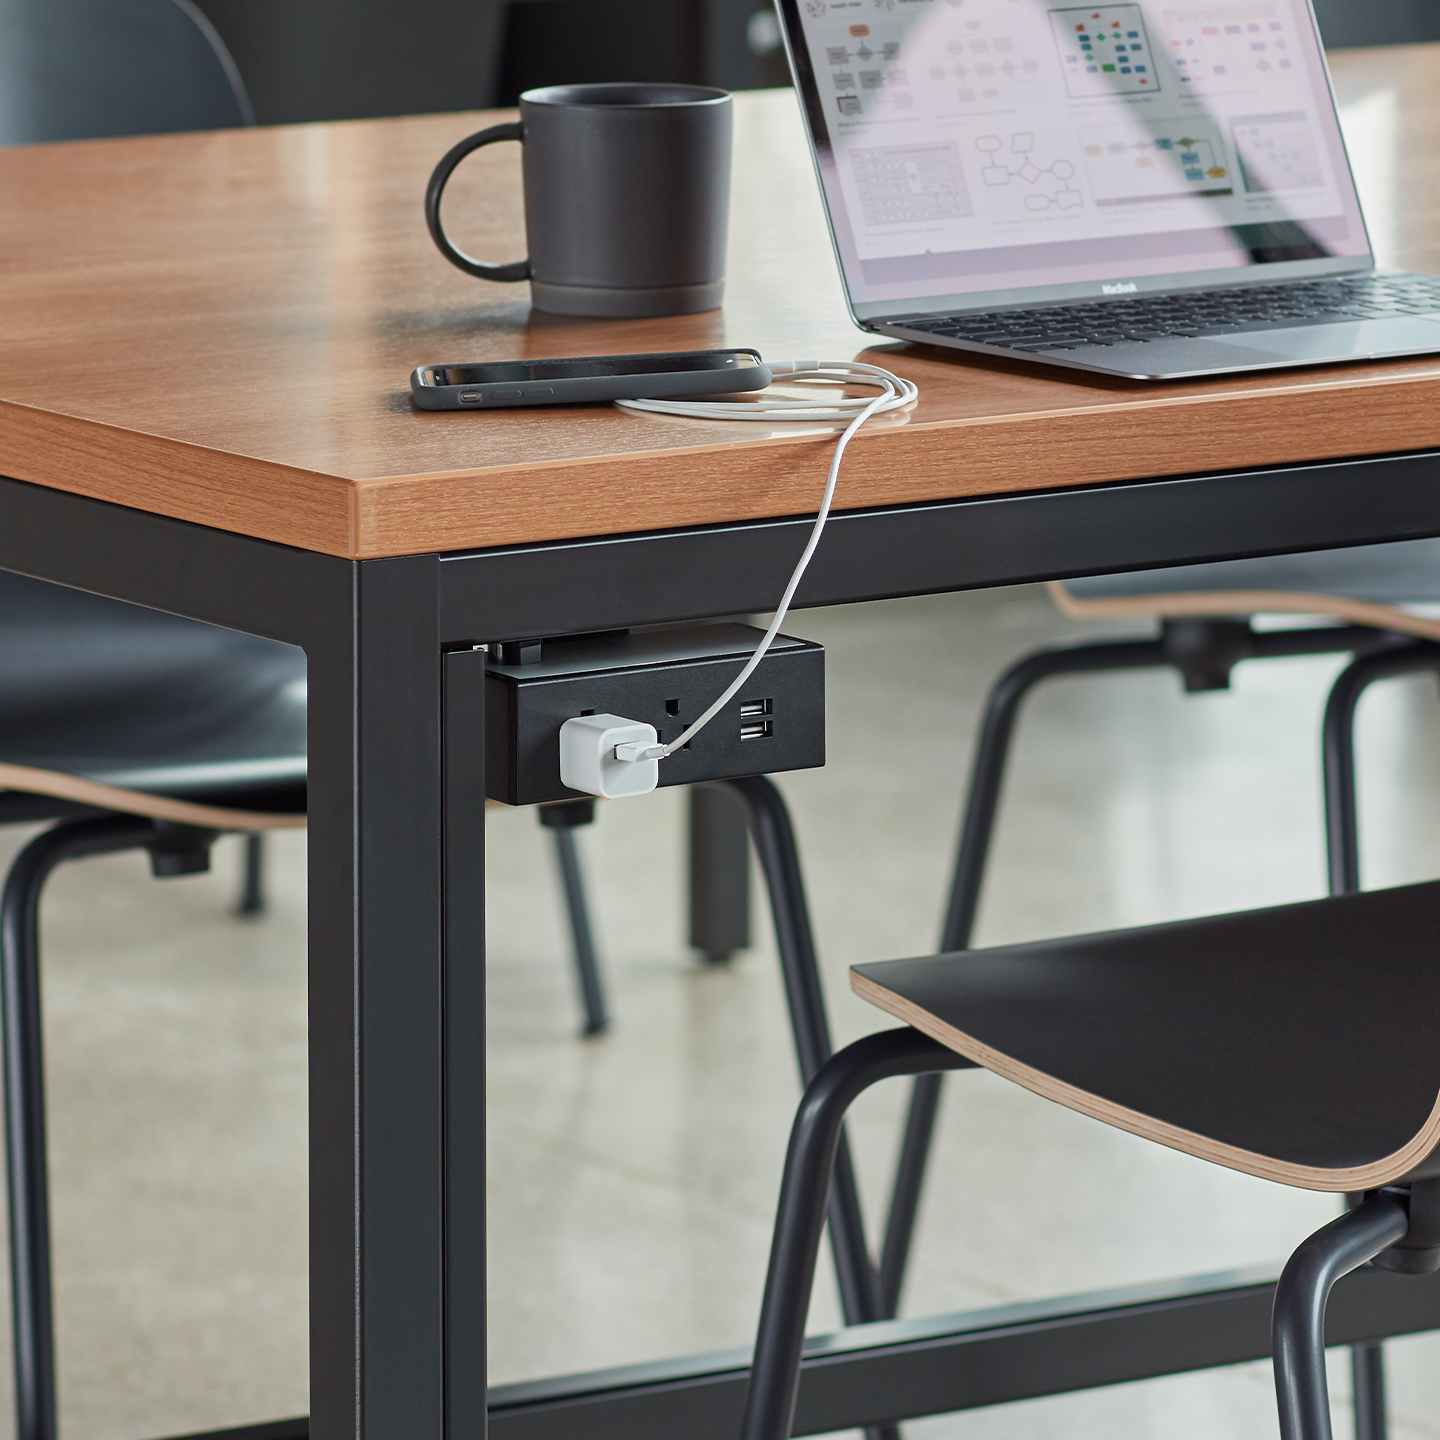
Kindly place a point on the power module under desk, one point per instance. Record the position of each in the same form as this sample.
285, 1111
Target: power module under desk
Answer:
664, 677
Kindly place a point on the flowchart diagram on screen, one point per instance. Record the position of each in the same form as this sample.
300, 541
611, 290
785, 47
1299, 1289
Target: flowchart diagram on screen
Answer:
1105, 51
1016, 166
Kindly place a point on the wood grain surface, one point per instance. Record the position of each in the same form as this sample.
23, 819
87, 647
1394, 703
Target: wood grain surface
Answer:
220, 327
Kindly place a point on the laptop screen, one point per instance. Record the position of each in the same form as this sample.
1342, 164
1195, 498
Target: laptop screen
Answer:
1019, 149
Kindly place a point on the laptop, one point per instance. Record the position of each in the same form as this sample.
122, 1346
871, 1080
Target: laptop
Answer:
1156, 189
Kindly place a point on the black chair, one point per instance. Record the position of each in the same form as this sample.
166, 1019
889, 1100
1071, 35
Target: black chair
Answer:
82, 69
1295, 1043
1205, 615
132, 730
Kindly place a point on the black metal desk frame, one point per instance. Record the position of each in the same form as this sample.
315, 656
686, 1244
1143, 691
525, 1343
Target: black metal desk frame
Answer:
397, 1298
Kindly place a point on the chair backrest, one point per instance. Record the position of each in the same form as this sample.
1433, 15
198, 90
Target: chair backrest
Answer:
307, 60
1377, 22
83, 69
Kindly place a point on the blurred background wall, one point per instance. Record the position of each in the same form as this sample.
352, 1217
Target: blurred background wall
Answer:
343, 59
1377, 22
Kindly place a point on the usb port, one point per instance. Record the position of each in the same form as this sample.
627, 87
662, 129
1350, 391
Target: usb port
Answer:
757, 730
754, 709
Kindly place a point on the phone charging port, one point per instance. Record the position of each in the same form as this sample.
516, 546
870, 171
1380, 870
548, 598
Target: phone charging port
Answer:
470, 397
754, 709
757, 730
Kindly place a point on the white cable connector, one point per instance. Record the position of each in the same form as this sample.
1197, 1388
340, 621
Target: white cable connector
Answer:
598, 755
633, 752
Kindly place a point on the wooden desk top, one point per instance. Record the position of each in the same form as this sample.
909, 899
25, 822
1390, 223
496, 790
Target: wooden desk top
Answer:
220, 327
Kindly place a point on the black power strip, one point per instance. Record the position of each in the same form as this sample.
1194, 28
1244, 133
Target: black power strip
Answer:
663, 677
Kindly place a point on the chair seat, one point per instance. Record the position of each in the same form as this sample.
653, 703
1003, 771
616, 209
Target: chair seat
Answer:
1404, 573
1299, 1043
143, 701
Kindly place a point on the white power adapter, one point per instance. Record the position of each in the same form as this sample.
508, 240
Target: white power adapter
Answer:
610, 756
588, 761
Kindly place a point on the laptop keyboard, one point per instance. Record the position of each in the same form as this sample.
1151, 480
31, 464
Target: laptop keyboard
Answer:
1238, 310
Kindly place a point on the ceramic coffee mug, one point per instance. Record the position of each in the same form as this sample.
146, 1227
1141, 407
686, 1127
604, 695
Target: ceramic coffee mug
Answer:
627, 198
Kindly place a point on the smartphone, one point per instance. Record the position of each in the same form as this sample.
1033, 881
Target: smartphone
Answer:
588, 378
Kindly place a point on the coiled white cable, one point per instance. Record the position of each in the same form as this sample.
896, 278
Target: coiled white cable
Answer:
896, 393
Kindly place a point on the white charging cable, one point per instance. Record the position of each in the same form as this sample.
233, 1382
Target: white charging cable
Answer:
896, 393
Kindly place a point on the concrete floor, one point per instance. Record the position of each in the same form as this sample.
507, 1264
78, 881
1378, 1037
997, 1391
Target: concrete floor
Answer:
633, 1176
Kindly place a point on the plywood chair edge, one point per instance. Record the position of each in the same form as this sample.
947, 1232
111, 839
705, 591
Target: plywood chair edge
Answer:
1191, 603
32, 781
1384, 1171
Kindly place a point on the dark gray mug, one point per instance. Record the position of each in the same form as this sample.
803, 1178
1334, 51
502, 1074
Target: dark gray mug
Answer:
627, 198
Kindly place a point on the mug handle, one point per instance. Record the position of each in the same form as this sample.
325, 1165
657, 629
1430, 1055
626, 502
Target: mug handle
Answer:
517, 270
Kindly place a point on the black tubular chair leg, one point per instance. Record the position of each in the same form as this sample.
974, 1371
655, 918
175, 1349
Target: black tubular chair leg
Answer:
814, 1142
1367, 1370
25, 1148
1342, 853
1298, 1321
774, 840
1338, 748
252, 881
562, 820
1002, 708
587, 965
719, 874
915, 1141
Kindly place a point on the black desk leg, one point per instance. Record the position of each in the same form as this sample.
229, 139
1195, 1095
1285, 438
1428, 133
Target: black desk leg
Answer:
396, 1023
719, 874
252, 875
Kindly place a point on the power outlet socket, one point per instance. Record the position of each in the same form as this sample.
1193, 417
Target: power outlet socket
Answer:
664, 677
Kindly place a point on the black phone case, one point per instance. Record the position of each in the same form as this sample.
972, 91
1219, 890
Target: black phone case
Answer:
588, 389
